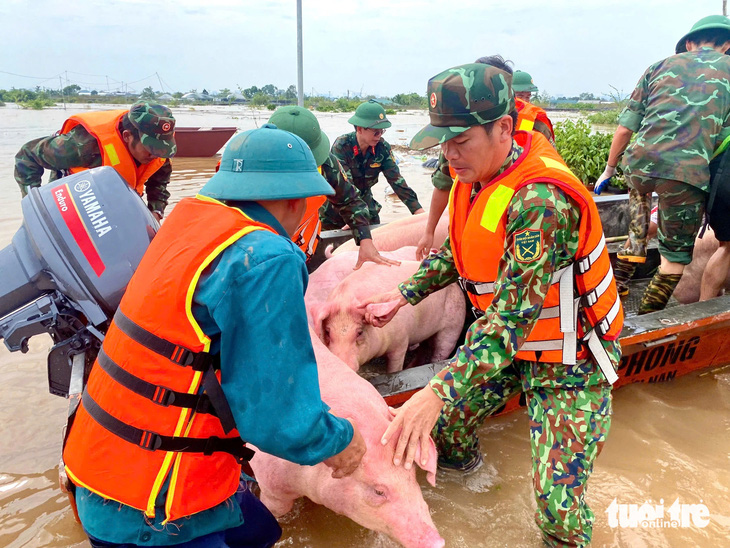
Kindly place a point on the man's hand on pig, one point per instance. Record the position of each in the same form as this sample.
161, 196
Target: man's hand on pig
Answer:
416, 417
346, 462
368, 252
377, 311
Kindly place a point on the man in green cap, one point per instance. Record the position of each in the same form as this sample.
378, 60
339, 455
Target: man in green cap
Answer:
346, 201
209, 349
679, 111
137, 142
364, 155
525, 244
529, 118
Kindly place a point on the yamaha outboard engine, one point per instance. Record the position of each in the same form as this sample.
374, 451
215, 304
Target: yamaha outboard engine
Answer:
68, 266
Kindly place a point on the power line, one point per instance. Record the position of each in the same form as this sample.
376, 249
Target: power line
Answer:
32, 77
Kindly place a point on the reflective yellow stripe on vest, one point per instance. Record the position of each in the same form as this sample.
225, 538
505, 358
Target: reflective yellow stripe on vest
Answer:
526, 125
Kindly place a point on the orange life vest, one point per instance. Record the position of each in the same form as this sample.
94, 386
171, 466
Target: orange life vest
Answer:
586, 288
104, 126
306, 236
528, 114
152, 409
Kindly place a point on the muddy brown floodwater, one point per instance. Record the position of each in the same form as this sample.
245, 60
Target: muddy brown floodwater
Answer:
667, 442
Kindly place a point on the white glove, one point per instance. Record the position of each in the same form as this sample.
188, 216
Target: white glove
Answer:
604, 179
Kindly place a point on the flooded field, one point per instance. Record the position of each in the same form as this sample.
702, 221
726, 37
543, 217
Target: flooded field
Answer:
667, 442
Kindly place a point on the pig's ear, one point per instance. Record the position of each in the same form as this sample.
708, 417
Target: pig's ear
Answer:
430, 466
319, 317
380, 310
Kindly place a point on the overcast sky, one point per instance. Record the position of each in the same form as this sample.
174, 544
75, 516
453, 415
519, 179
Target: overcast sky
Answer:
377, 46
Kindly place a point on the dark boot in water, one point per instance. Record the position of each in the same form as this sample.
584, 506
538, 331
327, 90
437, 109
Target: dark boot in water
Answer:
657, 294
623, 270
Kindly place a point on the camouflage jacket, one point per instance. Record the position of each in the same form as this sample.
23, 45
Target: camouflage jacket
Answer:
364, 167
346, 201
678, 111
77, 148
493, 339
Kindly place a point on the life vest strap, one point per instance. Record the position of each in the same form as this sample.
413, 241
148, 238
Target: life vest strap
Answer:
585, 263
476, 288
161, 395
601, 356
199, 361
152, 441
603, 326
592, 297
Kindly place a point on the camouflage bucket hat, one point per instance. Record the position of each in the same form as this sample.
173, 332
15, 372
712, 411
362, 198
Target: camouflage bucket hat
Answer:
370, 115
462, 97
522, 81
156, 127
304, 124
715, 22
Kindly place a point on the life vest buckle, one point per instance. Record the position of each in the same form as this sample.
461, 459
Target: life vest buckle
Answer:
150, 441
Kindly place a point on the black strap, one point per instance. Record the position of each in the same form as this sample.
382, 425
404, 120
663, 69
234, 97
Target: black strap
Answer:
161, 395
199, 361
152, 441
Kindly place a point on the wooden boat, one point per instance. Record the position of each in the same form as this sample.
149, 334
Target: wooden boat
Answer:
656, 347
201, 141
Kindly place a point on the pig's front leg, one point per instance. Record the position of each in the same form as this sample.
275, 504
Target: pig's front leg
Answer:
397, 354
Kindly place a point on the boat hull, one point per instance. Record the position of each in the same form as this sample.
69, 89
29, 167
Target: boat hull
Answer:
201, 142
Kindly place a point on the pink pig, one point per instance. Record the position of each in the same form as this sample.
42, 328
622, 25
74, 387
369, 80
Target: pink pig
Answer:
403, 232
340, 321
379, 495
335, 269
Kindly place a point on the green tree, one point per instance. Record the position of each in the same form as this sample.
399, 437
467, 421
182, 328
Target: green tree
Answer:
147, 93
269, 89
291, 92
260, 99
248, 93
73, 89
178, 94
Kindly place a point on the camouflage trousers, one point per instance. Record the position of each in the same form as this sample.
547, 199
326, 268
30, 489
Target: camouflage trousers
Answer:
568, 427
681, 210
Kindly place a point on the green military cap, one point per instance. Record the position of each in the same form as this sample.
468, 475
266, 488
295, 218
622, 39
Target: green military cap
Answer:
370, 115
522, 81
266, 164
156, 127
462, 97
301, 122
715, 22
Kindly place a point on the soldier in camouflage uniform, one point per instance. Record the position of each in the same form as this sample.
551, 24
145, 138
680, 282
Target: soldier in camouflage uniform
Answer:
441, 177
346, 201
147, 131
569, 406
678, 112
364, 155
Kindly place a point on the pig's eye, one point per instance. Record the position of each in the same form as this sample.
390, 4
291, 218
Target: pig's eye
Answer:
380, 493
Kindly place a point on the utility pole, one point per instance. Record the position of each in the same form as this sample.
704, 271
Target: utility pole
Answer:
300, 68
724, 7
63, 96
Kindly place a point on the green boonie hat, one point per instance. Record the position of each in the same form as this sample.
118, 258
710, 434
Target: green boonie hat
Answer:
156, 127
522, 81
462, 97
301, 122
718, 22
370, 115
266, 164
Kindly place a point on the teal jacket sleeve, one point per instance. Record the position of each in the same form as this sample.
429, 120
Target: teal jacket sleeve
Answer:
251, 304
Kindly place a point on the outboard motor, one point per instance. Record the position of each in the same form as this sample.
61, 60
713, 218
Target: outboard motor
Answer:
68, 266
